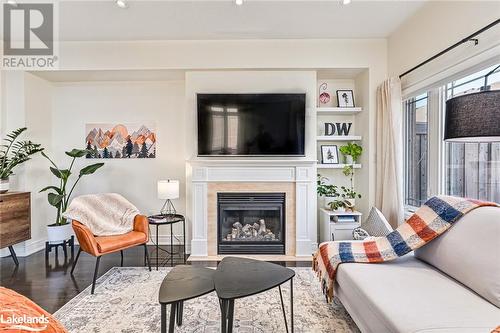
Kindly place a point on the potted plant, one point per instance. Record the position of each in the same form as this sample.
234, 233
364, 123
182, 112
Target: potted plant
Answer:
349, 195
328, 191
351, 152
59, 197
340, 205
337, 205
14, 153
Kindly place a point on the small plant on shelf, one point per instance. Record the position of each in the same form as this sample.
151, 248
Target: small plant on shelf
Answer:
324, 189
349, 193
328, 191
352, 151
338, 205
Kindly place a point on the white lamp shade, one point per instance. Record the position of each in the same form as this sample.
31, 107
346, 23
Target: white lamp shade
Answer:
168, 189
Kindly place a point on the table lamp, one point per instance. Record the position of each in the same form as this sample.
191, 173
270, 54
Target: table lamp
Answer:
167, 190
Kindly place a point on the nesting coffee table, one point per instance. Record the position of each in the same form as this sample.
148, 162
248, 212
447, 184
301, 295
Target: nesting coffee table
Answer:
181, 284
234, 278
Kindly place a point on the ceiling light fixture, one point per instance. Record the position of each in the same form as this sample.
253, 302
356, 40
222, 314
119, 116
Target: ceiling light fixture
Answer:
122, 4
346, 2
239, 2
12, 2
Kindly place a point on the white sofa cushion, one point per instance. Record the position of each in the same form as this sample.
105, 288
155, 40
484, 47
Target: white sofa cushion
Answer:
470, 252
408, 296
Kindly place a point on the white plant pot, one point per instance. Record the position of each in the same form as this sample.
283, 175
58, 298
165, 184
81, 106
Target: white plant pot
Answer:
340, 210
59, 233
352, 202
4, 185
348, 159
328, 200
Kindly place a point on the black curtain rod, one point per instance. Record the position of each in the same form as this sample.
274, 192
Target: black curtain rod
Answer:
465, 40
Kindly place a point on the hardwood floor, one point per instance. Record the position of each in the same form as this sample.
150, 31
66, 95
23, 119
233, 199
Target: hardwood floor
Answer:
51, 285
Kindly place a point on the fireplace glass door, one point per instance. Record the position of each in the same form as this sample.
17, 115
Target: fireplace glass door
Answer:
251, 223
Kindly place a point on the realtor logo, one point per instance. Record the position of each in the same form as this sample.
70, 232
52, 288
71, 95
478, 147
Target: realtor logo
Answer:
28, 29
28, 36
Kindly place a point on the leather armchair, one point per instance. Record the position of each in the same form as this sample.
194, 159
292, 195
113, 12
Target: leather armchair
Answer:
98, 246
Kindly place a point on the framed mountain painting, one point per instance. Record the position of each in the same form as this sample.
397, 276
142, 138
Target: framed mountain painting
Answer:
120, 140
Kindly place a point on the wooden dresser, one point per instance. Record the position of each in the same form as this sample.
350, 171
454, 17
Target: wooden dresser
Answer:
15, 219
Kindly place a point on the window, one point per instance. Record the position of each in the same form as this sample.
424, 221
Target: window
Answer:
432, 166
416, 150
473, 169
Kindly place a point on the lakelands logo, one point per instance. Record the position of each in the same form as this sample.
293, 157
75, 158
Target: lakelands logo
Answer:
29, 36
10, 321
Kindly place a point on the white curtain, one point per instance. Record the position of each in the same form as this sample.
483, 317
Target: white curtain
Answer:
389, 155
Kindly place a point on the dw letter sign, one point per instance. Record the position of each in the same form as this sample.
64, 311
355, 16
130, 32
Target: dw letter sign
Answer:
30, 36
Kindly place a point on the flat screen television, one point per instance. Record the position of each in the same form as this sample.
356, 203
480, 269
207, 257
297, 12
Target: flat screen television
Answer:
251, 124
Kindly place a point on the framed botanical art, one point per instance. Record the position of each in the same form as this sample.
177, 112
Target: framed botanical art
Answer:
345, 98
329, 154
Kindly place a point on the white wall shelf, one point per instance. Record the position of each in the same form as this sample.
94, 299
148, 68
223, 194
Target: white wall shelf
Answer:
338, 138
336, 166
337, 111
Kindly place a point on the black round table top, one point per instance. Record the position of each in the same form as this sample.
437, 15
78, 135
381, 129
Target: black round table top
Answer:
185, 282
165, 219
237, 277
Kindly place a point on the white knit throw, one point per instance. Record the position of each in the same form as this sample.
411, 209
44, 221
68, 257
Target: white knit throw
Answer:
104, 214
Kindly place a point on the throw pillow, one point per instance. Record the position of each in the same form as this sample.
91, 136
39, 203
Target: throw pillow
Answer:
376, 224
359, 234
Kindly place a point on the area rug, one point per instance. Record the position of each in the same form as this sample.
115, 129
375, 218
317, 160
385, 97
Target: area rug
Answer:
126, 301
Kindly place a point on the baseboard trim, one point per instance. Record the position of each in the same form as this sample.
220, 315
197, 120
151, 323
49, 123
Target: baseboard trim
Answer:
25, 249
264, 257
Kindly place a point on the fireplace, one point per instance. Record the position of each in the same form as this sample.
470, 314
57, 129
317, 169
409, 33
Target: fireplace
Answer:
251, 223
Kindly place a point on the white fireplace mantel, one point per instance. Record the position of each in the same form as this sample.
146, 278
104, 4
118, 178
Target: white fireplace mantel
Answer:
300, 172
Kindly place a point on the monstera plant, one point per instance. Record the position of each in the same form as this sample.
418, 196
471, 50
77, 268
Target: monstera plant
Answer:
59, 196
13, 153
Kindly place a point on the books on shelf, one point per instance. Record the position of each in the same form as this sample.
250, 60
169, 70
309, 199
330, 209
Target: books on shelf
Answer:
345, 219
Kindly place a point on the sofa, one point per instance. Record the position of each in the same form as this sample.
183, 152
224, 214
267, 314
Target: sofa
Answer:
451, 284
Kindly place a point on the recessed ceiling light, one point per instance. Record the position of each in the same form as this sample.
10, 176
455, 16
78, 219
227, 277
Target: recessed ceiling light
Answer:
346, 2
239, 2
121, 3
12, 2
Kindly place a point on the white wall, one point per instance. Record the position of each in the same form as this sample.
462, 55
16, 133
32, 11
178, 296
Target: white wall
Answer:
38, 107
28, 103
226, 54
436, 26
159, 103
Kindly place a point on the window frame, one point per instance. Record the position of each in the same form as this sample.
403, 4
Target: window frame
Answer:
406, 151
436, 150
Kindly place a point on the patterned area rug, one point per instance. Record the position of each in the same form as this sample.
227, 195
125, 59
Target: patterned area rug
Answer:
126, 300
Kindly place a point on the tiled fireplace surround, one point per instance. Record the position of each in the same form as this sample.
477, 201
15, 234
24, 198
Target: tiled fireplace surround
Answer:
297, 179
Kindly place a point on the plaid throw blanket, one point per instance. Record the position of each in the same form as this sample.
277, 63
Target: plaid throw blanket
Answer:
429, 221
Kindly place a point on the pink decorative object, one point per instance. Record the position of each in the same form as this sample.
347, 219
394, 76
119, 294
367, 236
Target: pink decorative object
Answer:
324, 97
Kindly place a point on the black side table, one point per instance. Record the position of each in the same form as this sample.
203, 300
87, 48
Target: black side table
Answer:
64, 244
159, 220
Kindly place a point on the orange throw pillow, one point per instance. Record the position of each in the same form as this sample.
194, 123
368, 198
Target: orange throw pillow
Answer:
20, 314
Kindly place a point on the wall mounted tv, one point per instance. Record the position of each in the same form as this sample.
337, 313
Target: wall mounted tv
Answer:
251, 124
